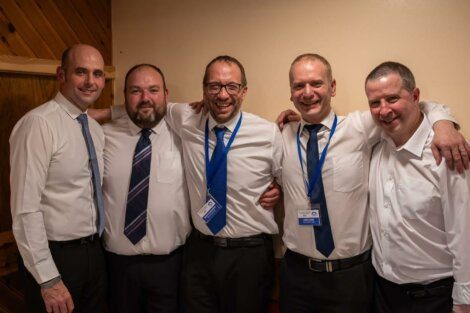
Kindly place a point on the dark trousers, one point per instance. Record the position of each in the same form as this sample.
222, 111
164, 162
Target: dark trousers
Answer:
411, 298
227, 279
305, 291
144, 283
83, 272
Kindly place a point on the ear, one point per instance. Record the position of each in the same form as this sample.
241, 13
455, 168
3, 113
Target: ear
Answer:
333, 87
416, 93
60, 74
244, 90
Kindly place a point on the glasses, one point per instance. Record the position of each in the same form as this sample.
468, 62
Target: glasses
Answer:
231, 88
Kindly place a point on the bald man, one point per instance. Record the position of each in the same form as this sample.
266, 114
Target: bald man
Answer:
56, 157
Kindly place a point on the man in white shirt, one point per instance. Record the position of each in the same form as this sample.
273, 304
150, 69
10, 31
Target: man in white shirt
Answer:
56, 157
144, 272
327, 265
229, 257
419, 211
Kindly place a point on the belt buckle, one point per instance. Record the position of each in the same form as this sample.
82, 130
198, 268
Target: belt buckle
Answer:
328, 265
221, 241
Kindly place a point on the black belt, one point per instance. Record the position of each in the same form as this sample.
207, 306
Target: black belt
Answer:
251, 241
438, 288
79, 241
317, 265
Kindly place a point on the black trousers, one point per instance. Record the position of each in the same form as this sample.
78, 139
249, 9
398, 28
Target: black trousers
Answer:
410, 298
82, 267
343, 291
144, 283
227, 279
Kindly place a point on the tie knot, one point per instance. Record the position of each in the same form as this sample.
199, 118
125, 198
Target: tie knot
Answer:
313, 128
83, 119
219, 132
145, 132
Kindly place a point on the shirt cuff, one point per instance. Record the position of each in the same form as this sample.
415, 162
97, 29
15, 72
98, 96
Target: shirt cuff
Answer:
461, 293
51, 283
44, 271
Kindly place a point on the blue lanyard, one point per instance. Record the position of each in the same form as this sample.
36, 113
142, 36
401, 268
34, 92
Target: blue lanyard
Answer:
310, 184
211, 167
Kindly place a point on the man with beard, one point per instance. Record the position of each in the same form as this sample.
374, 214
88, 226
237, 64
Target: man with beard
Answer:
145, 193
56, 157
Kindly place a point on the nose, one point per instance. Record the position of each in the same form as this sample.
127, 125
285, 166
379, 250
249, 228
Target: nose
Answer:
145, 95
384, 109
223, 94
308, 90
89, 79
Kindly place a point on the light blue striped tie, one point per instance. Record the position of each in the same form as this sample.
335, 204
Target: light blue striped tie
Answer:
95, 172
135, 227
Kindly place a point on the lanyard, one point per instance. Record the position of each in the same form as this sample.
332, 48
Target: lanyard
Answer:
310, 184
211, 167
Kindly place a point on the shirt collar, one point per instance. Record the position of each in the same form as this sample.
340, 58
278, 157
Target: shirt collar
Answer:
230, 125
71, 109
135, 130
415, 145
326, 122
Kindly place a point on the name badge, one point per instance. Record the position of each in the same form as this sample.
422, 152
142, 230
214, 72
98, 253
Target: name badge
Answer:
310, 217
209, 210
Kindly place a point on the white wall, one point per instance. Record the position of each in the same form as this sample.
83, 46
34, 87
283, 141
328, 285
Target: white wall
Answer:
432, 37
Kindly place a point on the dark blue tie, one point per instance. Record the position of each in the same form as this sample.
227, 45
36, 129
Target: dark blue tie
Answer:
218, 185
323, 236
135, 226
95, 173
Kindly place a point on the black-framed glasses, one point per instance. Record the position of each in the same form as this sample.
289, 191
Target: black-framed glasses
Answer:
231, 88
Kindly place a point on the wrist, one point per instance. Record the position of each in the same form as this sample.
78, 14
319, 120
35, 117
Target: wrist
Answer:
51, 283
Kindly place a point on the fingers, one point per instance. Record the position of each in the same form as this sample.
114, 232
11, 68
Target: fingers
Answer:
458, 164
436, 153
465, 154
447, 153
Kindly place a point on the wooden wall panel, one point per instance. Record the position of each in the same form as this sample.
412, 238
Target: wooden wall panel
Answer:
44, 28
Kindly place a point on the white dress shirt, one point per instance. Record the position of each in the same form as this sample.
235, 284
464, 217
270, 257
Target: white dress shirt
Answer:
51, 185
419, 215
253, 161
168, 204
345, 175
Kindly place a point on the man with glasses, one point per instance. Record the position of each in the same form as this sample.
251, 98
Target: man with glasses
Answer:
231, 158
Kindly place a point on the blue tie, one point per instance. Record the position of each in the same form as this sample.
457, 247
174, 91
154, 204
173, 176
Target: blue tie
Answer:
135, 227
323, 236
95, 172
218, 185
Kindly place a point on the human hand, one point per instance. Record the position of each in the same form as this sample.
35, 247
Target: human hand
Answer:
461, 308
100, 115
197, 106
271, 196
285, 117
57, 299
451, 144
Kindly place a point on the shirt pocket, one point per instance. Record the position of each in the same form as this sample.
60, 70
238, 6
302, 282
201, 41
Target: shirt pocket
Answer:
169, 167
348, 172
416, 197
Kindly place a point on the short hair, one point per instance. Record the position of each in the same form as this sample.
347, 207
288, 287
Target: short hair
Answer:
64, 60
312, 57
136, 67
226, 59
390, 67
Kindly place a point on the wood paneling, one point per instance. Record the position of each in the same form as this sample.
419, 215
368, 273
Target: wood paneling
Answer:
44, 28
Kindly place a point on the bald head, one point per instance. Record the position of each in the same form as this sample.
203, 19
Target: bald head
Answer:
81, 75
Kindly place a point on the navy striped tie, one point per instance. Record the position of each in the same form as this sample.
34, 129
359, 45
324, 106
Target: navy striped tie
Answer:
135, 227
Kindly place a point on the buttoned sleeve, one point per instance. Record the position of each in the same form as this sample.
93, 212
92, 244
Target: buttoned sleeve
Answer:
455, 192
31, 149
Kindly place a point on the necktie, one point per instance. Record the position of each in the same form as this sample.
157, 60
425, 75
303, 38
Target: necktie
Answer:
135, 226
95, 172
323, 235
218, 185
